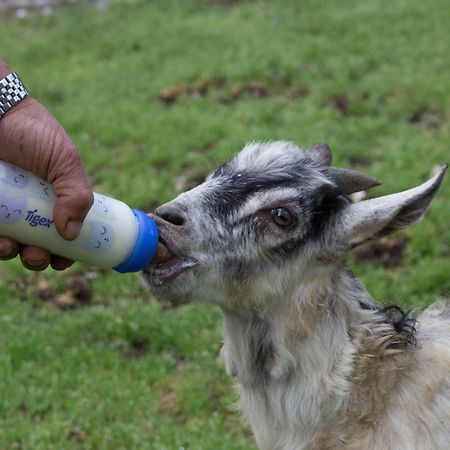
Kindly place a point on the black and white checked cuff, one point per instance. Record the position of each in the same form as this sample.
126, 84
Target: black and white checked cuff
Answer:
12, 91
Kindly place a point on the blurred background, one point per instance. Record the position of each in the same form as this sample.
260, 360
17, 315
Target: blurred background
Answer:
158, 93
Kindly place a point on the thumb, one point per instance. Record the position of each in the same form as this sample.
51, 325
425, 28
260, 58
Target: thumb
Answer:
74, 196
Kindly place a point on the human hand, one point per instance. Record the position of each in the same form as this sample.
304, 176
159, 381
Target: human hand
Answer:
31, 138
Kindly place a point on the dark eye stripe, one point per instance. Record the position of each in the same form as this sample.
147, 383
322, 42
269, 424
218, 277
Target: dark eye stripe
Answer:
234, 189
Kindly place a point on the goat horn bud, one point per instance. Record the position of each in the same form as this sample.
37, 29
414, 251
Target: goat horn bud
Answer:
350, 181
320, 153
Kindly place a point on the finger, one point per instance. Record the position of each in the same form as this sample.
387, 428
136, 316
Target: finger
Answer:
8, 248
70, 211
60, 263
35, 258
74, 196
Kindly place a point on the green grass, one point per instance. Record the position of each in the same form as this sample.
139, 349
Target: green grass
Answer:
122, 373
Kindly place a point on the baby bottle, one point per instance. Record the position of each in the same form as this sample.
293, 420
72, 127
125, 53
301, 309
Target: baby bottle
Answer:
112, 235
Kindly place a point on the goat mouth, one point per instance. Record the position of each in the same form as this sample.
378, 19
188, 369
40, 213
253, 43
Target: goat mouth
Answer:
166, 265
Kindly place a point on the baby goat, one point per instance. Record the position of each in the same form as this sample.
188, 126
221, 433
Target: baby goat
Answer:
318, 363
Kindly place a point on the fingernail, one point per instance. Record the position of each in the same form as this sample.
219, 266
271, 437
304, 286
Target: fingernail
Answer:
35, 263
73, 228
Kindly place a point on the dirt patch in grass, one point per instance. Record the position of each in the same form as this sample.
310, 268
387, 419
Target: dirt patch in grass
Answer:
230, 92
297, 92
386, 252
340, 103
197, 89
23, 408
261, 89
76, 434
137, 349
169, 404
255, 89
75, 293
427, 117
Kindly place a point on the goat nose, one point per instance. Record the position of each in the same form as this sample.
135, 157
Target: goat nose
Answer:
172, 213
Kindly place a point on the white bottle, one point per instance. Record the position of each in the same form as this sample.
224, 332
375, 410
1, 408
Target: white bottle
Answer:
112, 235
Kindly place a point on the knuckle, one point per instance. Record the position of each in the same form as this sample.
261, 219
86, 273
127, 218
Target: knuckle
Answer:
85, 198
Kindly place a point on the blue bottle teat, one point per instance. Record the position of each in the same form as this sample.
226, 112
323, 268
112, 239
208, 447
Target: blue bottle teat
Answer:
145, 247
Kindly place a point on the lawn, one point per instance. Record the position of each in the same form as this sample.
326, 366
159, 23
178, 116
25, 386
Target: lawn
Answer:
156, 94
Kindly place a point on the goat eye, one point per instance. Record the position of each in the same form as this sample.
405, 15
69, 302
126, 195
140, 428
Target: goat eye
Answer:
282, 217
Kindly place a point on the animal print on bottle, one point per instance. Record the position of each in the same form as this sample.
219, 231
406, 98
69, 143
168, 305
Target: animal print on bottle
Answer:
100, 238
101, 206
41, 189
11, 209
15, 177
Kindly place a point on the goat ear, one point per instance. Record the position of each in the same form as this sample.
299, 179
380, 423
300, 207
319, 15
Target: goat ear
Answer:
350, 181
371, 219
320, 153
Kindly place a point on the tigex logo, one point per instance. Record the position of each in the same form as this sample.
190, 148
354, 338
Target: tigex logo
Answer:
37, 220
